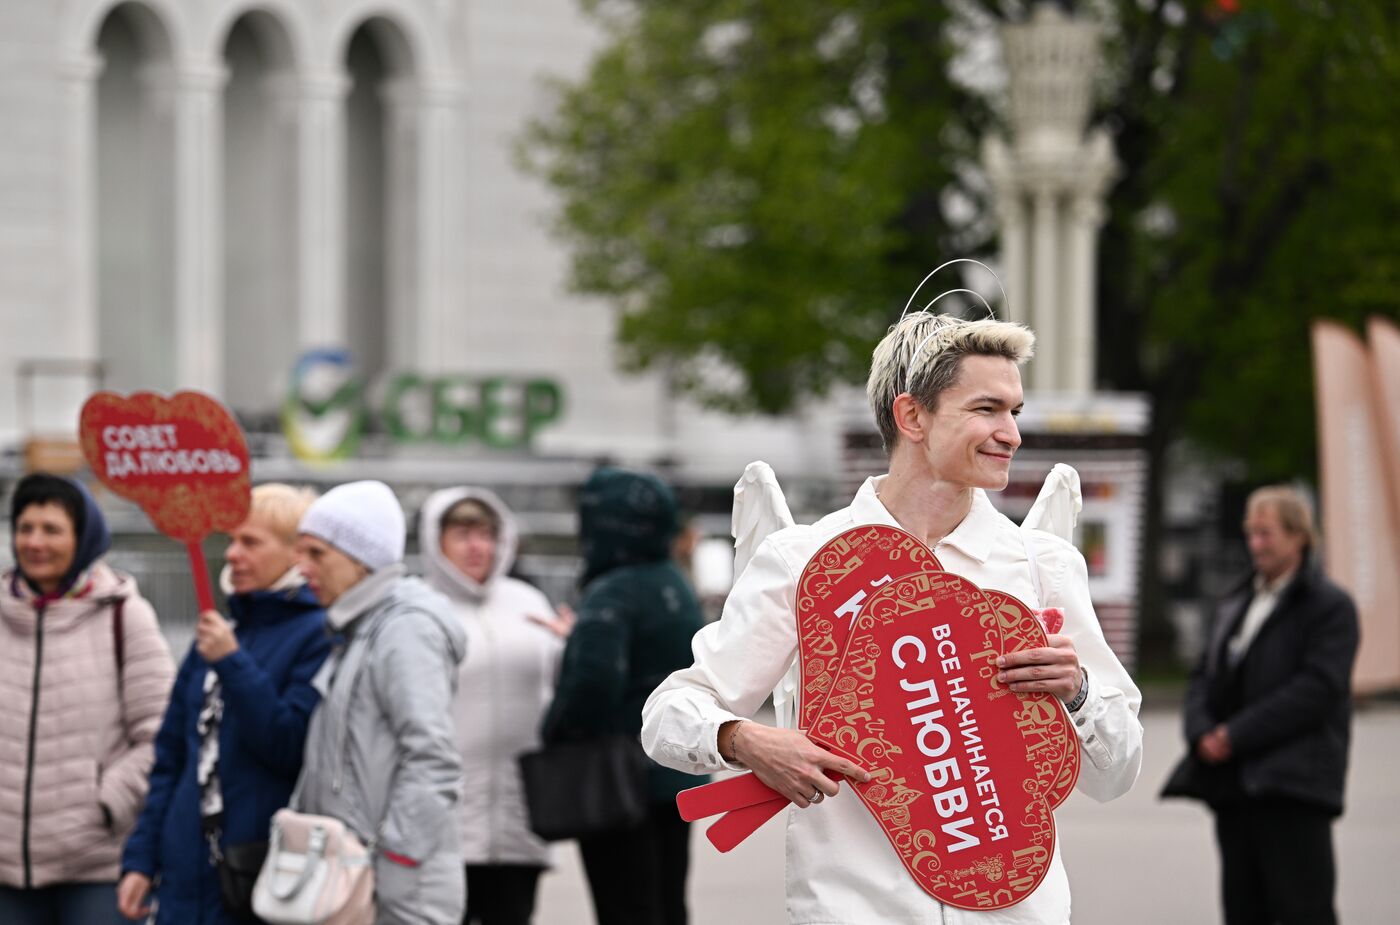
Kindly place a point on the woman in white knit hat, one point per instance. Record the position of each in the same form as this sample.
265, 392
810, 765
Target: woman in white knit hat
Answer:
381, 753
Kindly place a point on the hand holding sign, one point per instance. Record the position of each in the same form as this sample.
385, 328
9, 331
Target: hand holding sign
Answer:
214, 637
182, 459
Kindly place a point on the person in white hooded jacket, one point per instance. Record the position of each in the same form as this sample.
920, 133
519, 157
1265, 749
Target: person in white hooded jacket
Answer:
468, 539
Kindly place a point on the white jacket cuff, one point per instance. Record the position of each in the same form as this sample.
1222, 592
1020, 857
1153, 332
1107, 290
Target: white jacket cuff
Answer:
1110, 737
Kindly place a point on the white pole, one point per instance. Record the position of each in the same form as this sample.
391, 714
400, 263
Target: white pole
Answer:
1045, 368
322, 221
199, 222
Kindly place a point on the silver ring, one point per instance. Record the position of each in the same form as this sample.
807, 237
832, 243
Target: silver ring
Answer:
817, 796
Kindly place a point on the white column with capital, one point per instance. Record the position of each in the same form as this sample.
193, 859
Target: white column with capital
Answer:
199, 224
437, 208
1044, 295
1011, 210
321, 291
401, 205
1086, 215
80, 74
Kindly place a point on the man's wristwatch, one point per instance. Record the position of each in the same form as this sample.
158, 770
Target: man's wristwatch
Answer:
1083, 695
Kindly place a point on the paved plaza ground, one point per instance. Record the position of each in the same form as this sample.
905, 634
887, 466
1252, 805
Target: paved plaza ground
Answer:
1135, 861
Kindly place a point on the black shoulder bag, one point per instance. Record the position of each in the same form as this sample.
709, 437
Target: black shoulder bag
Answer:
582, 788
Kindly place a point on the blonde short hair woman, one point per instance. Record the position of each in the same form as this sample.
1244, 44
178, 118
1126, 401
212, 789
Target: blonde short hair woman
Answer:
230, 748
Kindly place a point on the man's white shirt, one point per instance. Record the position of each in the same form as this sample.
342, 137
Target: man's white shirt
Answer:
841, 869
1266, 595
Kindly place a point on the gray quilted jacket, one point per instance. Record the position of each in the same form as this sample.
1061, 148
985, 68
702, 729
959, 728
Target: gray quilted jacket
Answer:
381, 753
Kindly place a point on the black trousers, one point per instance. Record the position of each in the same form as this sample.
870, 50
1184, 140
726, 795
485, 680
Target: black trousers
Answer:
501, 894
637, 876
1276, 863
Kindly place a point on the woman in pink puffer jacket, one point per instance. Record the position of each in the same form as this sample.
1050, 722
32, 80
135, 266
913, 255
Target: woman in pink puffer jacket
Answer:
84, 677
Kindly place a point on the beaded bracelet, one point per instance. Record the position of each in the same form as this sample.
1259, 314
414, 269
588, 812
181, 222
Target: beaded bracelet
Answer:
733, 738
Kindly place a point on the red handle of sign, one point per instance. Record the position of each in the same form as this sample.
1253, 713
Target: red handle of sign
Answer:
724, 795
202, 591
733, 827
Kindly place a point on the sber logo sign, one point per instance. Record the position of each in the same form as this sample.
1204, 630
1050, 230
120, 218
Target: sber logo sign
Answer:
329, 407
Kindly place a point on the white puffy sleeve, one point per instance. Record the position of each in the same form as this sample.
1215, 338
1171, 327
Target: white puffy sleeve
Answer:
1107, 722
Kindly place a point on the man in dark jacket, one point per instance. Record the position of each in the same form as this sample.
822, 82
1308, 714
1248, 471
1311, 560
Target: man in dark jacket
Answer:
635, 623
1268, 718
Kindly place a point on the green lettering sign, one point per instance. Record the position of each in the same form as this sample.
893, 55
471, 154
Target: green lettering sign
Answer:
501, 412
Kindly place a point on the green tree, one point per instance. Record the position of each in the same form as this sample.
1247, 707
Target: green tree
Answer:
1273, 171
756, 184
1262, 141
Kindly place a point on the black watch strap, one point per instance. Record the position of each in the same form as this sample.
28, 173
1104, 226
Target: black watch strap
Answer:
1083, 695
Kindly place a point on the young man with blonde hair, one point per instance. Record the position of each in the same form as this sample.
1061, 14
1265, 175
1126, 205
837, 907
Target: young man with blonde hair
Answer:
945, 393
1268, 722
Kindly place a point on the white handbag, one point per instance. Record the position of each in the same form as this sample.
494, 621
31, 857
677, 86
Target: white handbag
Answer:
317, 872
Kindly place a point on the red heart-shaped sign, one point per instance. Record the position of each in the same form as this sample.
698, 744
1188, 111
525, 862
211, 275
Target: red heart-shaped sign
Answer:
183, 459
955, 785
835, 584
883, 567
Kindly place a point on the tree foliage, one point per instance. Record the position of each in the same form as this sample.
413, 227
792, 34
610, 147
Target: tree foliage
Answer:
1263, 141
757, 183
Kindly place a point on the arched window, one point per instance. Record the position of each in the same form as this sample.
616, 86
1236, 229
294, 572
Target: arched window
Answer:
381, 197
260, 214
135, 200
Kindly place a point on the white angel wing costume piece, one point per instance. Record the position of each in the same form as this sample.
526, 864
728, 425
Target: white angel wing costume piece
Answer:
1055, 511
759, 510
1057, 507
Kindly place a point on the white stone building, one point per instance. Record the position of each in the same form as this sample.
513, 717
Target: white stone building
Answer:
195, 192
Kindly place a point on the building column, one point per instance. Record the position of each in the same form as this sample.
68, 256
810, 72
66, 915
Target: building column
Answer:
80, 76
1045, 369
321, 154
437, 205
1086, 216
199, 223
1011, 210
402, 202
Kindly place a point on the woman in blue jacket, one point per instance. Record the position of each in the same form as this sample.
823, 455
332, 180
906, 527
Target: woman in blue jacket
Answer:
230, 747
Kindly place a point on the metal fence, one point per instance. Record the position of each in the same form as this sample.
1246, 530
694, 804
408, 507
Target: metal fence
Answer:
164, 580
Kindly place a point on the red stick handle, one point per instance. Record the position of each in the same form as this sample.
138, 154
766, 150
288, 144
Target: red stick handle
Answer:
723, 795
202, 591
735, 826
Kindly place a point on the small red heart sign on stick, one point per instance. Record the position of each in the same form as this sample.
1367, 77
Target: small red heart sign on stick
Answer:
182, 459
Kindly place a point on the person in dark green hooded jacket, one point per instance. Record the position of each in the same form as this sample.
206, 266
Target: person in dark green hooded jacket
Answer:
635, 622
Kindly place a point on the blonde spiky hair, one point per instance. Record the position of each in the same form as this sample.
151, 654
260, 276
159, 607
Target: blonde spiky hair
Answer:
280, 506
922, 354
